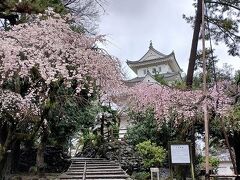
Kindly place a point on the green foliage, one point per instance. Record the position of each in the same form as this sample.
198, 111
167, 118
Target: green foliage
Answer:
152, 154
141, 175
115, 129
231, 124
222, 22
211, 61
29, 6
221, 74
69, 116
2, 151
160, 78
179, 85
15, 12
197, 81
233, 120
213, 162
236, 112
144, 128
225, 72
90, 135
90, 138
237, 77
65, 113
78, 29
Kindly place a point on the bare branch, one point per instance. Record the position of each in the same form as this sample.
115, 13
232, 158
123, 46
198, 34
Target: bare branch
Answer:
14, 39
223, 3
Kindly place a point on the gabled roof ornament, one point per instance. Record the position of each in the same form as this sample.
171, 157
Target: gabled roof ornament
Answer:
150, 46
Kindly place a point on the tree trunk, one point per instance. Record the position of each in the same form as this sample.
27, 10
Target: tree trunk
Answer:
229, 147
4, 151
193, 143
8, 164
236, 147
40, 159
5, 166
40, 152
15, 156
102, 128
3, 158
237, 154
3, 134
3, 161
192, 59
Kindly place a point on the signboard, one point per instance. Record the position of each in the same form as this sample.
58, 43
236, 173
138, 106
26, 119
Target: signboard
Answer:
180, 154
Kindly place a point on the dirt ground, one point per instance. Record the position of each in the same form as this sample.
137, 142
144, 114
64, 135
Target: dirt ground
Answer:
52, 176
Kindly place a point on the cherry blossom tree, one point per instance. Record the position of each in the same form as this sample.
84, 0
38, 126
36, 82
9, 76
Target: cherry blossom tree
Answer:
164, 99
36, 57
179, 110
182, 108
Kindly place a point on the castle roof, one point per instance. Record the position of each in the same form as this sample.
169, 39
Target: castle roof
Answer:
148, 77
154, 57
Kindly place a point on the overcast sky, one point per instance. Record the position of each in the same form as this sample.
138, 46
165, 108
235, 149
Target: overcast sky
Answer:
129, 25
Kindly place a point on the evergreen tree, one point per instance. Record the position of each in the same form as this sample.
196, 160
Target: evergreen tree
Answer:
222, 22
86, 11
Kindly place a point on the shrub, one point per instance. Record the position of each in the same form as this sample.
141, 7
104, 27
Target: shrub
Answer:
141, 175
151, 154
144, 127
213, 162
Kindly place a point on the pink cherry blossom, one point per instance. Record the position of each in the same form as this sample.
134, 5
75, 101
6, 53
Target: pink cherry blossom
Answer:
50, 45
164, 100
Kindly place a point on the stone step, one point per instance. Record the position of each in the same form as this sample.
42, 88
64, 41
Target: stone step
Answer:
82, 163
100, 169
96, 170
91, 160
88, 160
103, 173
94, 167
92, 163
83, 158
107, 176
77, 178
91, 179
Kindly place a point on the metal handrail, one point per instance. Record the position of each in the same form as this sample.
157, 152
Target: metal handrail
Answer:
84, 171
215, 175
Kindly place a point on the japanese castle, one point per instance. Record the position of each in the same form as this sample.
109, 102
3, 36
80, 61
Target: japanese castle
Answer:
152, 63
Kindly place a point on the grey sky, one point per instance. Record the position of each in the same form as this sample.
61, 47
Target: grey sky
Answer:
131, 24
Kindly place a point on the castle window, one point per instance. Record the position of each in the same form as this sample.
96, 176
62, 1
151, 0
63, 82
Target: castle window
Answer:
159, 69
154, 71
145, 71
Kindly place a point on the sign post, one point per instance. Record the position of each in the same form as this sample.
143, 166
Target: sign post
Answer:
180, 154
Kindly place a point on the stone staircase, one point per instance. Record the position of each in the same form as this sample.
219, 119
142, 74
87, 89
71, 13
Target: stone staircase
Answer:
94, 168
